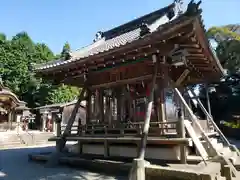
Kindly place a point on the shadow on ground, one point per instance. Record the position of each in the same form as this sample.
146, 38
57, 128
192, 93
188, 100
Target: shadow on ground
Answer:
14, 165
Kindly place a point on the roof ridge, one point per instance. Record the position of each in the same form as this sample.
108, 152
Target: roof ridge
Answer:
134, 24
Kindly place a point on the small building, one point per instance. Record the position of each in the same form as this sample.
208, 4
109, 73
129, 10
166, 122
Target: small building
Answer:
11, 109
46, 115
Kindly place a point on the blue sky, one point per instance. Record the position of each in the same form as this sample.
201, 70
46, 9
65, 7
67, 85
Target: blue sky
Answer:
56, 21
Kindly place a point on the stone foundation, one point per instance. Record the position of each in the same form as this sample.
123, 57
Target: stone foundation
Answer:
171, 153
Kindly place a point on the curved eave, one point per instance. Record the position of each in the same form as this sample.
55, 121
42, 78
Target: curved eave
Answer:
208, 48
12, 96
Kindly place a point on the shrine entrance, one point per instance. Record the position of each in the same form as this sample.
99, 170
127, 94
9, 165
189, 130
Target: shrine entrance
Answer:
11, 109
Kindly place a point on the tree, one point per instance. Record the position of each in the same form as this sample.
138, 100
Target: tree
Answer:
17, 55
228, 52
63, 93
65, 54
220, 34
2, 37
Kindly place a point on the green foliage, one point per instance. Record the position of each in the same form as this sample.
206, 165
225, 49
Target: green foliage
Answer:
2, 37
65, 54
63, 93
228, 52
17, 55
228, 49
232, 125
224, 33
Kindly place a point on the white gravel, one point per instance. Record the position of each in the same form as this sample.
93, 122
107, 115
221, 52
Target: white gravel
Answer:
14, 165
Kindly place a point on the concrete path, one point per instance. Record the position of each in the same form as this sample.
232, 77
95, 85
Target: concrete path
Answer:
14, 165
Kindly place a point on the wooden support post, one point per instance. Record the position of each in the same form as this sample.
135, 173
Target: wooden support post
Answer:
71, 120
148, 111
182, 134
138, 169
54, 159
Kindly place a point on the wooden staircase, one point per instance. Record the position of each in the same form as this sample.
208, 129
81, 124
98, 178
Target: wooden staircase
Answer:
211, 148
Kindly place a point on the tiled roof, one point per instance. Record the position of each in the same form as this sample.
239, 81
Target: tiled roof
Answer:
118, 36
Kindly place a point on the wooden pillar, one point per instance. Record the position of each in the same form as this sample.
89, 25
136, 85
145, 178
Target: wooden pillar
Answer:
101, 106
120, 105
108, 113
164, 84
134, 110
79, 133
181, 134
162, 106
9, 119
156, 106
79, 128
43, 117
96, 105
89, 107
58, 120
58, 129
130, 107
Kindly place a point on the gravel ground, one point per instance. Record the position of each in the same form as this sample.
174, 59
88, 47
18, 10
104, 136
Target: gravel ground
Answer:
14, 165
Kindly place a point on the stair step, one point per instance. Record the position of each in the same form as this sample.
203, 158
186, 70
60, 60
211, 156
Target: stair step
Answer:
199, 146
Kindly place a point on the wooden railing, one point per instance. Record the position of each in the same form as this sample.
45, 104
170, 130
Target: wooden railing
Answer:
129, 128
